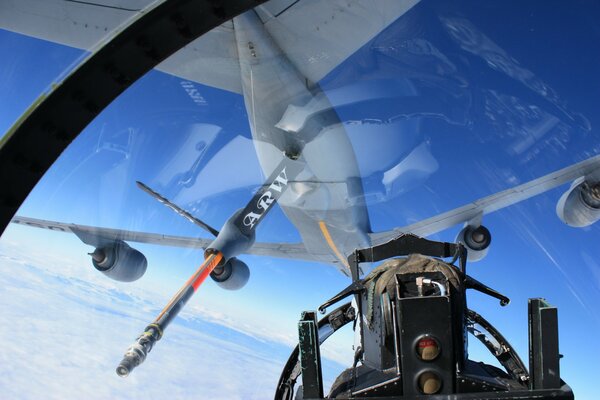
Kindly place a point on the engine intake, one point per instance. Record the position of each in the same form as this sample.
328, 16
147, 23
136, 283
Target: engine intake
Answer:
120, 262
233, 275
477, 240
580, 205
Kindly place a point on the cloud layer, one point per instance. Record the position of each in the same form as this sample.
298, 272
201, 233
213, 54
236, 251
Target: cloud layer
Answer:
64, 333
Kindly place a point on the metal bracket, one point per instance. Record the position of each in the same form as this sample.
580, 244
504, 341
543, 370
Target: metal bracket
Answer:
544, 358
354, 288
310, 356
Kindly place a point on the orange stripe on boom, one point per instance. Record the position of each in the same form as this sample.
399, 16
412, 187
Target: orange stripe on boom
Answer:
211, 262
332, 245
195, 280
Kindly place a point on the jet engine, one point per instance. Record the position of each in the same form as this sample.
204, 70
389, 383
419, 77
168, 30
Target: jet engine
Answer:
477, 241
580, 205
120, 262
233, 275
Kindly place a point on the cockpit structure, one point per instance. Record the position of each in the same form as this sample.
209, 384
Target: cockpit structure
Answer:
413, 325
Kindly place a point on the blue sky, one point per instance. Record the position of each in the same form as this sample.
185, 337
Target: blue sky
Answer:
496, 105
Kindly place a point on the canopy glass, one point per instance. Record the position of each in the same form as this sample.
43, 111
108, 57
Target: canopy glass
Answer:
397, 113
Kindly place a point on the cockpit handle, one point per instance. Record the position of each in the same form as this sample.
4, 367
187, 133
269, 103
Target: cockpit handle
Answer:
471, 283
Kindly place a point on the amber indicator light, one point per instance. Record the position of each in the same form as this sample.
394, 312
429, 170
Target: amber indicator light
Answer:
429, 382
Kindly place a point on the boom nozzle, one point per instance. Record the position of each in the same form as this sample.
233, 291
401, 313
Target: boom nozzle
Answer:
137, 352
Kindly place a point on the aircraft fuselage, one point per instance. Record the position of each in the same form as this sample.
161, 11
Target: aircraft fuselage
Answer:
325, 202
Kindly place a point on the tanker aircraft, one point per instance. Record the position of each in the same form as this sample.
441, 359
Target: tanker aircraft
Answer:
274, 59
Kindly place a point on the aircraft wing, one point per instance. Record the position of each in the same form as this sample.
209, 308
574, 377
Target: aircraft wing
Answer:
475, 210
316, 35
95, 236
469, 213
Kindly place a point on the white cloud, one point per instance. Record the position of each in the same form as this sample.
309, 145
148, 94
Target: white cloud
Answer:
64, 336
66, 327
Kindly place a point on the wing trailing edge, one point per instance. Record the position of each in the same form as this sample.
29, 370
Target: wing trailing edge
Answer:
97, 236
315, 35
474, 211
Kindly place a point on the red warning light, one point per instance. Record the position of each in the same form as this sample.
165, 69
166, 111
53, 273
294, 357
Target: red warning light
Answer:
428, 348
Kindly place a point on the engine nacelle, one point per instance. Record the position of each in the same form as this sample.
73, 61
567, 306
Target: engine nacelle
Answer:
232, 276
477, 240
580, 205
120, 262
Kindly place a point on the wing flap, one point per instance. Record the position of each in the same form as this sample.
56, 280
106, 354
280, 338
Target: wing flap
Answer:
319, 35
316, 35
210, 60
78, 24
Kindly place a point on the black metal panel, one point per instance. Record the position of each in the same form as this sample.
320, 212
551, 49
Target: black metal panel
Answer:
426, 316
378, 350
404, 245
310, 356
544, 358
562, 393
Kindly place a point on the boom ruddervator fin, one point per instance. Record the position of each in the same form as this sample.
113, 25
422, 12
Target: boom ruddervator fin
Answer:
177, 209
